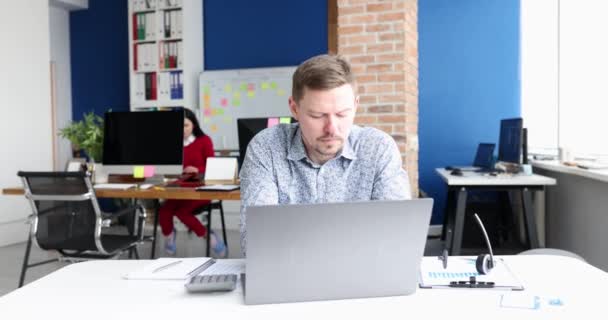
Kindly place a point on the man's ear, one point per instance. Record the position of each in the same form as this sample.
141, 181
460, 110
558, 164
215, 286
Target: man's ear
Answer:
293, 107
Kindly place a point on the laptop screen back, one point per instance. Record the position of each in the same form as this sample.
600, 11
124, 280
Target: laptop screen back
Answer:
306, 252
484, 155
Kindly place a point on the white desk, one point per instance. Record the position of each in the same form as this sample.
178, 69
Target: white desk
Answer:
96, 290
458, 186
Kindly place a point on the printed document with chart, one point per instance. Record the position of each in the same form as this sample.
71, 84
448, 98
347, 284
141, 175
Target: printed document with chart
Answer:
433, 275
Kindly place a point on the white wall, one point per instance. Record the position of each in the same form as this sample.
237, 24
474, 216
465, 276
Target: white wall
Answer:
25, 115
59, 21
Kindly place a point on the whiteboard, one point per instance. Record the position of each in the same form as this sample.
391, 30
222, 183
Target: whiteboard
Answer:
226, 95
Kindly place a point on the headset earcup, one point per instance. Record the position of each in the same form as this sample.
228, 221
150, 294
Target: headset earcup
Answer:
482, 263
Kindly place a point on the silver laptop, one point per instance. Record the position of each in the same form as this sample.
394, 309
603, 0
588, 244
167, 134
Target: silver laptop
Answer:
334, 250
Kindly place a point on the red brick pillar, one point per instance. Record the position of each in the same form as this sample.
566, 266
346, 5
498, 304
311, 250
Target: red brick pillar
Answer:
380, 39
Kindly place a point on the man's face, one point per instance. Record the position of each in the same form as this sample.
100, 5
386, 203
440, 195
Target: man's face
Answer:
325, 117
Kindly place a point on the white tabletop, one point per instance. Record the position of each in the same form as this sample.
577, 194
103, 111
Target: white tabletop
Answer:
470, 178
596, 174
97, 290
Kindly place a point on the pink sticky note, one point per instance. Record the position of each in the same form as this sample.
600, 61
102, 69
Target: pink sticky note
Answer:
224, 102
207, 112
250, 87
272, 122
148, 171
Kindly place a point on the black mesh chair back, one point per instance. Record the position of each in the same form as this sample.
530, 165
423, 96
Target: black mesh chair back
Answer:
67, 218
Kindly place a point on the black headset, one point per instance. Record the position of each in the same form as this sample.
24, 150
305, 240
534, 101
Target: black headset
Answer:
484, 262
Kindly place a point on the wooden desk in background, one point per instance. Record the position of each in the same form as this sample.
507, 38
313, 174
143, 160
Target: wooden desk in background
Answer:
153, 194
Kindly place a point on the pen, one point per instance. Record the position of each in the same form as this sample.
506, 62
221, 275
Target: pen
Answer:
161, 268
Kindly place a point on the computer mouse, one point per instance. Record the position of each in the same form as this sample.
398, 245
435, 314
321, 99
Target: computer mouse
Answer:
456, 172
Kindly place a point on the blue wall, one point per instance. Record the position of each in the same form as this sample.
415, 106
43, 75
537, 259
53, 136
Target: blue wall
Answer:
99, 49
468, 80
238, 34
263, 33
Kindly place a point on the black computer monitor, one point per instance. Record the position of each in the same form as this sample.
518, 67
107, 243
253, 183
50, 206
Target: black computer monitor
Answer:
249, 127
510, 142
153, 138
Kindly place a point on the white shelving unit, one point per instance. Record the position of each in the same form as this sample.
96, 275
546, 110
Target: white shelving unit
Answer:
165, 53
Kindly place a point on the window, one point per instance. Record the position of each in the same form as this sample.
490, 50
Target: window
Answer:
565, 75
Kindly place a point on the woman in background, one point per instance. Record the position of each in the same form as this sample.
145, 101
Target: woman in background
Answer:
197, 148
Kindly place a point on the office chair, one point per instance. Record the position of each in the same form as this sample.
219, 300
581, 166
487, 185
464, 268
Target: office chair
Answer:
66, 218
206, 211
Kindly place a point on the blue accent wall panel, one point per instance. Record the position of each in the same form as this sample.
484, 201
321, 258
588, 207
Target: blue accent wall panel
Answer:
264, 33
469, 62
99, 50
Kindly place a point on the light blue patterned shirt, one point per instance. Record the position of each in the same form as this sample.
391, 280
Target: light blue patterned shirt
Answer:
276, 170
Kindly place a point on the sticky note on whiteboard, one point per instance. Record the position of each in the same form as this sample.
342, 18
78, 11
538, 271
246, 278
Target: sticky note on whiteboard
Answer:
138, 172
148, 171
285, 120
272, 122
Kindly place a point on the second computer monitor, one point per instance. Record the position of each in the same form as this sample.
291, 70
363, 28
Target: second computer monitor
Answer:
154, 138
510, 142
484, 155
249, 127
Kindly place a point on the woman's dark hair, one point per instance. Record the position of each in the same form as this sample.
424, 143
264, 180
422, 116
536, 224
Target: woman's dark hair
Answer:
196, 128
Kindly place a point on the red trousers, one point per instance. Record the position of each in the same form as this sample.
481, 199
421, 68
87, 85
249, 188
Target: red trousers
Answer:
182, 209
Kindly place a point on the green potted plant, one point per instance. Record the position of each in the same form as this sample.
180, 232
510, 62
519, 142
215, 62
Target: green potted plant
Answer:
86, 134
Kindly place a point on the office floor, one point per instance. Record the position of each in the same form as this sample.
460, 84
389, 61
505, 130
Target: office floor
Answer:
11, 257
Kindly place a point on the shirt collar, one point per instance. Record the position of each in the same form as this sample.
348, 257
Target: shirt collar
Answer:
189, 140
297, 151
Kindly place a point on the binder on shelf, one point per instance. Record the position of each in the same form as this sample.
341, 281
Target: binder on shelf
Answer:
135, 60
135, 27
173, 32
172, 75
153, 84
180, 53
180, 86
140, 27
167, 15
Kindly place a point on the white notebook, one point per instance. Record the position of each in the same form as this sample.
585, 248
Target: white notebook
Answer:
171, 269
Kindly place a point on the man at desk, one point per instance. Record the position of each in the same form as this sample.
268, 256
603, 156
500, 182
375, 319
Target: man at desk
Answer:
323, 157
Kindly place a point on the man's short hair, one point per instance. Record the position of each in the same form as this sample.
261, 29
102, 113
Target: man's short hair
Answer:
322, 72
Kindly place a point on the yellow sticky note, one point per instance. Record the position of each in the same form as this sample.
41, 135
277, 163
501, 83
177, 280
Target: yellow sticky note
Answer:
273, 85
206, 120
285, 120
213, 128
236, 102
243, 86
280, 92
265, 85
138, 171
236, 94
228, 88
251, 94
